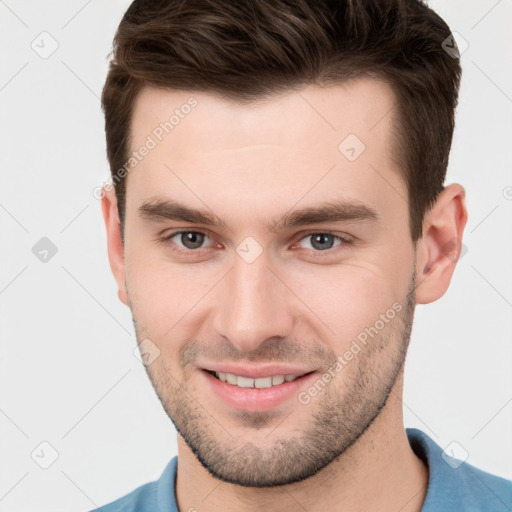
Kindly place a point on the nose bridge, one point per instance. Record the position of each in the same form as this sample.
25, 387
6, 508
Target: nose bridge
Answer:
253, 305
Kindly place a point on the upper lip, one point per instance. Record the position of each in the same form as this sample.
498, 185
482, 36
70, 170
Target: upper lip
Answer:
256, 372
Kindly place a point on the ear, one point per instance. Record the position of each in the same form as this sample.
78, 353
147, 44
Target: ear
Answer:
439, 248
114, 243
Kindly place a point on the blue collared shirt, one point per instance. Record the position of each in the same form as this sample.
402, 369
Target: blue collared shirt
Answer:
453, 486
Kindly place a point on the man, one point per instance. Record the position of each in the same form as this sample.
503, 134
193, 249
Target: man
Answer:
277, 211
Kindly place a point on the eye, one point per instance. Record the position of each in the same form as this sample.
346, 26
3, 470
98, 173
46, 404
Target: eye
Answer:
321, 241
190, 242
187, 240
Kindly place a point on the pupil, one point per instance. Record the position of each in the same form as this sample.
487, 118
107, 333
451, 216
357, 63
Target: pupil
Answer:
319, 241
192, 240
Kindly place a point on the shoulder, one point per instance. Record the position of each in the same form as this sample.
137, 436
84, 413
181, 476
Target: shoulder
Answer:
149, 497
491, 492
139, 500
457, 485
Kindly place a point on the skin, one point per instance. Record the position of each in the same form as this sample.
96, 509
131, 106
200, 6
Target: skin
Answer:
295, 304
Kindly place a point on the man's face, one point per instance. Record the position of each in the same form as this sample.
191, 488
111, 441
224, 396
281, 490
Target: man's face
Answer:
300, 295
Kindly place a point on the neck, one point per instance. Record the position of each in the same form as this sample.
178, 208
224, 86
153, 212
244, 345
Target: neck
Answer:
378, 472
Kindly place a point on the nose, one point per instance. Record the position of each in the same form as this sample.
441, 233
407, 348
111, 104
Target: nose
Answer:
252, 305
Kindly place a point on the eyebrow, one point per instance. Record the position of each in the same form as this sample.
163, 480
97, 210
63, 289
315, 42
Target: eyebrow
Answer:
164, 208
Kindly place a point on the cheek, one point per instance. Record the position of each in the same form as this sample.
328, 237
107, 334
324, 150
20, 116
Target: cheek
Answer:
164, 296
348, 299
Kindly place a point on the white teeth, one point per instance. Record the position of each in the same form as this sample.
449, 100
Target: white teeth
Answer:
244, 382
277, 379
231, 379
262, 382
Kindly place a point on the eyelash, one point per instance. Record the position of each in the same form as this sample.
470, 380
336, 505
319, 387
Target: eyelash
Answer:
166, 240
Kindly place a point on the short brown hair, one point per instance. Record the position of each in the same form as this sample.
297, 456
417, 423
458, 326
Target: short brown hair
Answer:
248, 49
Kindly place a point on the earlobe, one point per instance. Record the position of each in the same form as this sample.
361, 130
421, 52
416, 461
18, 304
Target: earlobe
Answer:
114, 244
440, 247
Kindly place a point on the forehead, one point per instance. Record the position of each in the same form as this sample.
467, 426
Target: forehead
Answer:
357, 106
305, 145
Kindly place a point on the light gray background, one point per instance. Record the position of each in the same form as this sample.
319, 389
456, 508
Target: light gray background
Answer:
68, 373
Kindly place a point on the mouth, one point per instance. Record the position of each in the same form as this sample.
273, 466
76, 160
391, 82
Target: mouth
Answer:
258, 383
245, 395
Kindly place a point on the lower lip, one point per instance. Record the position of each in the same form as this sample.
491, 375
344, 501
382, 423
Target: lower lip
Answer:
257, 399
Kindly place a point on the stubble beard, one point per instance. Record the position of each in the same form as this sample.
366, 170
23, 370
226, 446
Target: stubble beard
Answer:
340, 415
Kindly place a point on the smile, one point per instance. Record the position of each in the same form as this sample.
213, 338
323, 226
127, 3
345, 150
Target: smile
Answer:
247, 382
